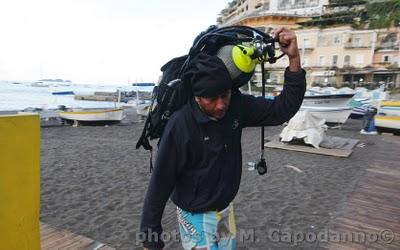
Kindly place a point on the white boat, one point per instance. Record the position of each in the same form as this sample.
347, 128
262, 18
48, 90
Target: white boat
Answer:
39, 84
103, 115
143, 105
333, 108
142, 108
387, 123
388, 117
329, 114
322, 100
390, 111
389, 108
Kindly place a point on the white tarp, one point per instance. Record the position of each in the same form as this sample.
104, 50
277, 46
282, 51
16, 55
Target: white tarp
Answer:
305, 126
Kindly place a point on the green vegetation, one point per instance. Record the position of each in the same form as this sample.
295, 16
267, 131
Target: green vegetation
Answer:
383, 14
360, 14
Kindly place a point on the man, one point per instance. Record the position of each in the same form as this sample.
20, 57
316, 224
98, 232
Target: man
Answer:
199, 159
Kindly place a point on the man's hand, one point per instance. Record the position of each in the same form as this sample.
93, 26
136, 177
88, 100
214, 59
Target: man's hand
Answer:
288, 44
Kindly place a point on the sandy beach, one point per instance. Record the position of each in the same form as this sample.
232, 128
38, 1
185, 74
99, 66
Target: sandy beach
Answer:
93, 182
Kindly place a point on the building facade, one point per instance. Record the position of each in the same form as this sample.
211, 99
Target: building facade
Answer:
333, 55
240, 11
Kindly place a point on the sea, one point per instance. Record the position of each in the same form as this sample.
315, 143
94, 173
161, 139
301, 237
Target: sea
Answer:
20, 96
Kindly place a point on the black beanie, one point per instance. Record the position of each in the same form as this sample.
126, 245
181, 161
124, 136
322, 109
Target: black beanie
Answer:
208, 76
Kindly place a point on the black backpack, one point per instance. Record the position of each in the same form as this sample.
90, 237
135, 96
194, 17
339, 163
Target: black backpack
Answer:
174, 91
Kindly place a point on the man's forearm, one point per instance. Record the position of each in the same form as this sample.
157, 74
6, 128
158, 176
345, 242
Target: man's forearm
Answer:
294, 64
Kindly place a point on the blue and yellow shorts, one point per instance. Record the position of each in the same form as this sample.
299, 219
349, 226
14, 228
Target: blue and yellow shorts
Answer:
213, 230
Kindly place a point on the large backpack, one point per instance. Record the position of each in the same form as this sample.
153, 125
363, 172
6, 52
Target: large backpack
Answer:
174, 90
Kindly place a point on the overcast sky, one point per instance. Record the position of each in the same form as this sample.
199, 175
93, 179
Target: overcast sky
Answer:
98, 41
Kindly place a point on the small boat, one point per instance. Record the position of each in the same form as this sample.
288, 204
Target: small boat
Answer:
94, 116
142, 108
385, 123
40, 84
390, 108
329, 114
333, 108
388, 117
143, 84
391, 103
63, 93
323, 100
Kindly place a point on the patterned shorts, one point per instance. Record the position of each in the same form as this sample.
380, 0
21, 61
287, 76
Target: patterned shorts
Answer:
215, 230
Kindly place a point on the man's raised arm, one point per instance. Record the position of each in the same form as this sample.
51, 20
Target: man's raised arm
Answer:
261, 112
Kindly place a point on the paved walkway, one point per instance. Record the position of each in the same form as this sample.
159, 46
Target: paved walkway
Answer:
55, 239
371, 216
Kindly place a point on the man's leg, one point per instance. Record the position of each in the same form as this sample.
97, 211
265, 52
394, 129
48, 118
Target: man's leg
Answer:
226, 229
198, 231
207, 231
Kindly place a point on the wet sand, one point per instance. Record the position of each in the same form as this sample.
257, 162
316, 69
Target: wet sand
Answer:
93, 182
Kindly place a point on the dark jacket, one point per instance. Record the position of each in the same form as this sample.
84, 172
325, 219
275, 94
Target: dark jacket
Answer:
199, 160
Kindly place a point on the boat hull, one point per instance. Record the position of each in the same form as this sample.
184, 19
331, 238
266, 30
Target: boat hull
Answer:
330, 115
385, 123
114, 115
328, 101
142, 109
333, 108
390, 110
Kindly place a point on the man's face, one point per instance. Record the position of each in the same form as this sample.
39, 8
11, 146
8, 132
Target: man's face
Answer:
215, 106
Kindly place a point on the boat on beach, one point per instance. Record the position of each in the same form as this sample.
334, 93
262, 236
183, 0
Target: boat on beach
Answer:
388, 117
94, 116
330, 115
331, 100
385, 123
142, 108
333, 108
63, 93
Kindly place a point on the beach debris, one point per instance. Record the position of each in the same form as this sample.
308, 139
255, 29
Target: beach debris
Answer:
361, 145
95, 245
252, 166
294, 168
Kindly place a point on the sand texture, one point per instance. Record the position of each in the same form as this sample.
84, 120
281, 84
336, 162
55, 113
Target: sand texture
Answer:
93, 182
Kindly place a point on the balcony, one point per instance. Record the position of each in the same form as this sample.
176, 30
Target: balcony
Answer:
350, 45
388, 46
306, 48
334, 3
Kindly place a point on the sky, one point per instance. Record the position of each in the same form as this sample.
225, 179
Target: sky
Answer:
98, 41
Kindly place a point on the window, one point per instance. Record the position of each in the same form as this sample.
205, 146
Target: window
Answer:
357, 41
337, 40
387, 58
334, 60
300, 2
321, 60
247, 7
347, 60
307, 43
359, 59
305, 62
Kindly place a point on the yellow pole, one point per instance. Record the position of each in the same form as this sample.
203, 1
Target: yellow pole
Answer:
19, 182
